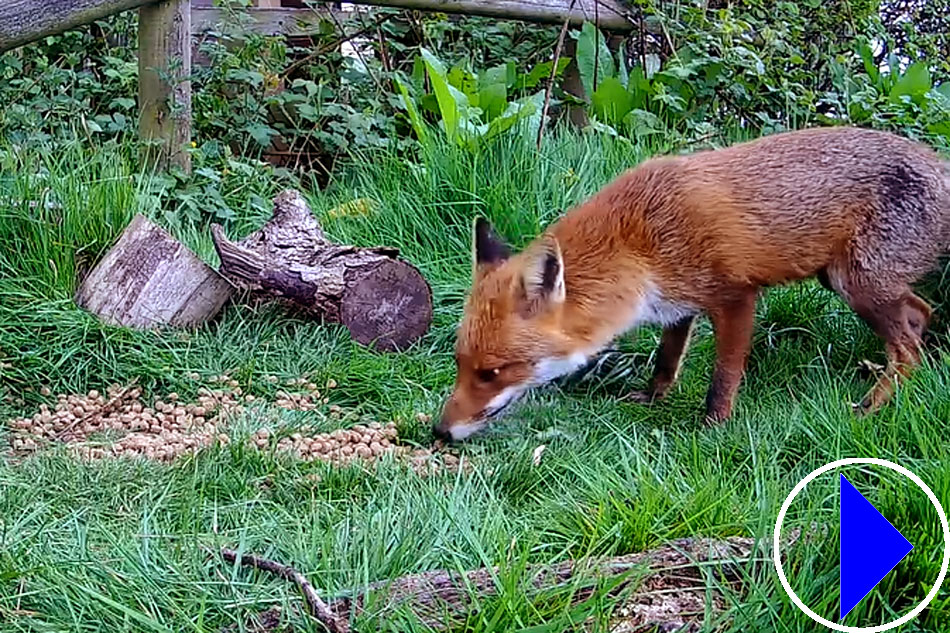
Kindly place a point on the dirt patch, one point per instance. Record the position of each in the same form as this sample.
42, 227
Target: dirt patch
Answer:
120, 423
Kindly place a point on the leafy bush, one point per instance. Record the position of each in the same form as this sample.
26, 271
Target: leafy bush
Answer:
744, 67
472, 108
695, 70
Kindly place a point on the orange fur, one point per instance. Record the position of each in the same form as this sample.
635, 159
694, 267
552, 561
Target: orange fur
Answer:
681, 235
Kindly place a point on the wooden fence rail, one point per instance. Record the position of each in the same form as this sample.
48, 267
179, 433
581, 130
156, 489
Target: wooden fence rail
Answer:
166, 28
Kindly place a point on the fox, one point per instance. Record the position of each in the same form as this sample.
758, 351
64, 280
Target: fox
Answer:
866, 212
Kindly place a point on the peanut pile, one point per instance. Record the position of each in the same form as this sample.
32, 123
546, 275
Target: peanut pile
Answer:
364, 443
119, 424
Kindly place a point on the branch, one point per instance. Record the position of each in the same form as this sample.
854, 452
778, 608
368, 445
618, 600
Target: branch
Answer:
317, 607
547, 91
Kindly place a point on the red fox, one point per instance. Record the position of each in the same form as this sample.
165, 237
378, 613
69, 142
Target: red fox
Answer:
866, 212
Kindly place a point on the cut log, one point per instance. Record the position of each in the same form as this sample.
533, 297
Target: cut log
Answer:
149, 279
383, 301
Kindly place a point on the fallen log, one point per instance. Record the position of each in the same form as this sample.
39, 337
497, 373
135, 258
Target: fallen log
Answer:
149, 279
383, 301
666, 588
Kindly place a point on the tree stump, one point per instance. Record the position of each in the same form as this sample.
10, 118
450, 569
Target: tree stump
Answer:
383, 301
150, 279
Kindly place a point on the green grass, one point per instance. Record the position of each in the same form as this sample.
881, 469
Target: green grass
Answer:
118, 546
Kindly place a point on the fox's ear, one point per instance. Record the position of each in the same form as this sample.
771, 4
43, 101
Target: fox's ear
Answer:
487, 248
543, 276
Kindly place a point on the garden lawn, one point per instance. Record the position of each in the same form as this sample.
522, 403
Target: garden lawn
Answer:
118, 545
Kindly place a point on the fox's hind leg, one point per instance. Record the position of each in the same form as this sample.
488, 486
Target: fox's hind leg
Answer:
669, 357
896, 315
906, 322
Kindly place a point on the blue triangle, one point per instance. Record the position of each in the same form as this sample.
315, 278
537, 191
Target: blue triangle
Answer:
870, 547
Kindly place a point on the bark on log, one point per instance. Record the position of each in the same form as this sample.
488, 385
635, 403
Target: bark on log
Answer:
668, 585
382, 300
149, 279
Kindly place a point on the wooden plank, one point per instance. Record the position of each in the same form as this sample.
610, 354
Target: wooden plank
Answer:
289, 22
298, 22
23, 21
610, 14
164, 87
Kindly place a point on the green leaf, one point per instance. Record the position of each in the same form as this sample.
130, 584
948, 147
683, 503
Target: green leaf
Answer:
914, 83
867, 56
641, 123
414, 119
418, 76
639, 87
592, 50
430, 104
542, 71
622, 74
124, 103
261, 133
307, 85
611, 101
505, 74
516, 111
940, 127
463, 81
493, 99
448, 104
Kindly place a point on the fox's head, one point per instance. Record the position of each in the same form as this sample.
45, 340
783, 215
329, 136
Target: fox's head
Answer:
511, 335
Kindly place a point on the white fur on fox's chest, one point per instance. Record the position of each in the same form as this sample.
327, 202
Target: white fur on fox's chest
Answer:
654, 309
651, 308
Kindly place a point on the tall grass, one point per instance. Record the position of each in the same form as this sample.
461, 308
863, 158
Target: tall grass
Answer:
117, 546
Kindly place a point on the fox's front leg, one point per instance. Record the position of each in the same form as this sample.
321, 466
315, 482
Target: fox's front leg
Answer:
732, 323
669, 357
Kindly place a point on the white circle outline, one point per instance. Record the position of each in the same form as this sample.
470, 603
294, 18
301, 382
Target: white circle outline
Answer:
776, 542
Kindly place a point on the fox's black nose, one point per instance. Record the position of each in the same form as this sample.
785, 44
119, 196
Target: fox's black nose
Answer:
441, 433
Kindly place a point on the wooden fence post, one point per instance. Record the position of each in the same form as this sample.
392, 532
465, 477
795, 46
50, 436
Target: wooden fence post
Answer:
164, 82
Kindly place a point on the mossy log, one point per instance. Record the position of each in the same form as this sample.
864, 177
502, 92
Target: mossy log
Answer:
383, 301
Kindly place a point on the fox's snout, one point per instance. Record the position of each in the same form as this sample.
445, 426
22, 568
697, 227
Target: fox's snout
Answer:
462, 415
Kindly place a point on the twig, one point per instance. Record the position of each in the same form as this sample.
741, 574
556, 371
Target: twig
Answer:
557, 58
326, 48
383, 50
641, 42
359, 54
318, 608
597, 37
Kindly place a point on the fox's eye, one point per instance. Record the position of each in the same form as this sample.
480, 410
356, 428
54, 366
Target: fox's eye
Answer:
487, 375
